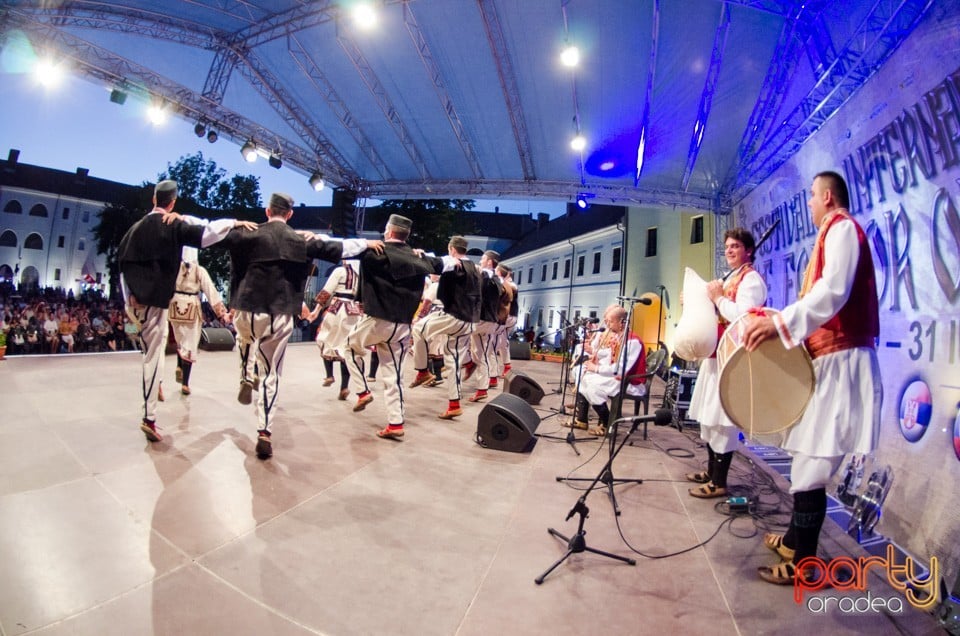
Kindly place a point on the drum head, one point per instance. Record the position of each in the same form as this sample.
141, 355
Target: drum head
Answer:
766, 391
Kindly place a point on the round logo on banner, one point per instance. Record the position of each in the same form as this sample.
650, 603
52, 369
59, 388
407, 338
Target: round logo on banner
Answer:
956, 434
916, 407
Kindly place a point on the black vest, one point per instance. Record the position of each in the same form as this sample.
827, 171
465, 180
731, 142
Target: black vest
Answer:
149, 257
459, 291
490, 291
391, 284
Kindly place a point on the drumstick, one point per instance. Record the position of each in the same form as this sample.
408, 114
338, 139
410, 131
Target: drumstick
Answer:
763, 238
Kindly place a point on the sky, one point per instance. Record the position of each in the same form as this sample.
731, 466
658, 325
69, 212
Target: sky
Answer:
76, 125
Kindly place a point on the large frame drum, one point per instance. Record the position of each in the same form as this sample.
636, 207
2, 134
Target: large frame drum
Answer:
767, 390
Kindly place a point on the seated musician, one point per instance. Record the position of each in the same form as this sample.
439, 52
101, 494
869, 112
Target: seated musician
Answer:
601, 375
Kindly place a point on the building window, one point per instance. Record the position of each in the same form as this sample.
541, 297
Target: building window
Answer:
555, 266
696, 230
38, 210
8, 239
596, 262
56, 274
13, 207
80, 245
33, 242
543, 274
550, 323
86, 216
615, 267
576, 315
651, 242
99, 277
530, 275
60, 241
593, 313
566, 268
66, 213
540, 317
580, 260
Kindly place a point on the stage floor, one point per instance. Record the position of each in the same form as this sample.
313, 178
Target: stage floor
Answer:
340, 532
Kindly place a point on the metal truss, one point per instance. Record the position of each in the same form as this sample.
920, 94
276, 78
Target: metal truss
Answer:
553, 190
383, 100
329, 94
706, 98
508, 84
272, 90
433, 71
886, 26
651, 69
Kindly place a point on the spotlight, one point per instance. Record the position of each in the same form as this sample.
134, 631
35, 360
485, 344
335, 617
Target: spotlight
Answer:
157, 114
582, 201
249, 151
570, 56
316, 181
275, 161
212, 135
199, 130
117, 96
578, 143
364, 16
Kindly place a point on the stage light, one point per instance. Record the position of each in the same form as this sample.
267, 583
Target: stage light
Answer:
570, 56
48, 73
199, 130
582, 201
212, 135
157, 114
117, 96
364, 16
275, 161
578, 143
249, 151
316, 181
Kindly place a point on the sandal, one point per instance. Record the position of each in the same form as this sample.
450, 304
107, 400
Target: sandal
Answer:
573, 423
707, 491
774, 541
782, 573
698, 478
598, 431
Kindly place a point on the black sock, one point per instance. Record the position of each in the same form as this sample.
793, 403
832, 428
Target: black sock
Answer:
435, 364
603, 413
186, 366
809, 511
344, 375
374, 364
721, 466
580, 412
328, 367
711, 462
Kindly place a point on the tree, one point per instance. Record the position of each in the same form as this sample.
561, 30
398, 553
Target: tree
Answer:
434, 220
205, 191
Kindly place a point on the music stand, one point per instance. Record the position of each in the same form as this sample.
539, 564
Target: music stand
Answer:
577, 543
570, 437
606, 475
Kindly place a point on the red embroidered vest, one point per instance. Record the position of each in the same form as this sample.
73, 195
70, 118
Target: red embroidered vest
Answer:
857, 323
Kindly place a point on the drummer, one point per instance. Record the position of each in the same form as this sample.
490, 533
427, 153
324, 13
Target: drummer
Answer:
741, 289
837, 317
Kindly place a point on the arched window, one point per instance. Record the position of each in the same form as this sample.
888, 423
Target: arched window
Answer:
13, 207
6, 272
8, 239
34, 242
38, 210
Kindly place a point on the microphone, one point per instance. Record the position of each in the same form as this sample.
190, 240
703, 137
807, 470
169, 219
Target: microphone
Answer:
598, 330
591, 321
660, 417
634, 299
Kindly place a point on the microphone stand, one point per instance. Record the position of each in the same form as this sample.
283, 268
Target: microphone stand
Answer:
570, 437
606, 476
577, 543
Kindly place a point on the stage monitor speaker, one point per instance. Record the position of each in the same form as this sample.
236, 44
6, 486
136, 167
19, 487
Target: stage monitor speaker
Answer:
519, 350
216, 339
523, 386
507, 423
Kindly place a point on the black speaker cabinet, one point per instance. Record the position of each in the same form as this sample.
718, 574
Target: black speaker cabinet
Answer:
519, 350
523, 386
216, 339
507, 423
